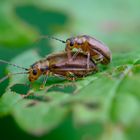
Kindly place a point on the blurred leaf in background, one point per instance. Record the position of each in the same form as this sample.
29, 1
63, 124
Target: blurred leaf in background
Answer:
102, 106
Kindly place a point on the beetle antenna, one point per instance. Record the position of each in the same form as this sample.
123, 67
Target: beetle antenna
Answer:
6, 62
51, 37
11, 74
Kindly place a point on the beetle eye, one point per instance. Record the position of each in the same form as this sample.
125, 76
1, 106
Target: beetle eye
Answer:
71, 43
34, 72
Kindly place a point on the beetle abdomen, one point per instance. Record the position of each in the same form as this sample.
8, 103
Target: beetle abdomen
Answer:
77, 66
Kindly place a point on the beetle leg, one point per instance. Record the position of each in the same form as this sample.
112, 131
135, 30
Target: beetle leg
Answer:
54, 85
100, 59
71, 76
44, 81
88, 59
69, 54
59, 76
74, 56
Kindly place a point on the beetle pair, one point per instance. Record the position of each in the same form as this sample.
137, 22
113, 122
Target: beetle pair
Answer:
93, 48
70, 65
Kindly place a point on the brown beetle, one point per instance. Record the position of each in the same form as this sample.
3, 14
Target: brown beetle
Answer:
94, 48
57, 65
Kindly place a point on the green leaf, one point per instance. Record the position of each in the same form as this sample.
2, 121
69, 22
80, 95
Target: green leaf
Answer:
126, 108
95, 99
8, 101
108, 100
113, 133
40, 118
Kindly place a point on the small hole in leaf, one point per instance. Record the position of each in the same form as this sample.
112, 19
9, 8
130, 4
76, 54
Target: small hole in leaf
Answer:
92, 105
38, 98
20, 88
33, 103
62, 88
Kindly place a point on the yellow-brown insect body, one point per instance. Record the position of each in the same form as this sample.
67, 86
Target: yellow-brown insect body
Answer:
97, 50
58, 64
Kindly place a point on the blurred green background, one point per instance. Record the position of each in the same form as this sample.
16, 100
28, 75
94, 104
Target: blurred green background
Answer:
115, 22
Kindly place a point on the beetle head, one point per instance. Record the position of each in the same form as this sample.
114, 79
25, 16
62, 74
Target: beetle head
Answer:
70, 43
34, 74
